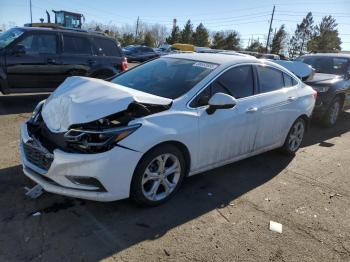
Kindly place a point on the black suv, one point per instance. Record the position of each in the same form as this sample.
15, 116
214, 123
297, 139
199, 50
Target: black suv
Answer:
332, 83
35, 59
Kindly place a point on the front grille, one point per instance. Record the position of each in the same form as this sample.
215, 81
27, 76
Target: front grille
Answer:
37, 155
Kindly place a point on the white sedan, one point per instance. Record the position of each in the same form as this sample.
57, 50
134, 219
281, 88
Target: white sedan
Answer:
139, 135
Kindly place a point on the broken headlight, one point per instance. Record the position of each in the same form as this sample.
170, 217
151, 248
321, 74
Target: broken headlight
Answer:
36, 111
94, 141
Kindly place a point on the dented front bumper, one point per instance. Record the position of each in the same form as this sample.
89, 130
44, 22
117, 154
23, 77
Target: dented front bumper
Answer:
113, 171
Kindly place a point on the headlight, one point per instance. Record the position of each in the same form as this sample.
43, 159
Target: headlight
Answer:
321, 89
37, 110
94, 141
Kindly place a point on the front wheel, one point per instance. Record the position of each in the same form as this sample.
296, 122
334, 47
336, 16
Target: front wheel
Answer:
294, 137
158, 176
331, 116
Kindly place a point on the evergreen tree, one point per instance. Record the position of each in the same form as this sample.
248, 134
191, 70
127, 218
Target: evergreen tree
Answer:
302, 35
187, 32
232, 41
127, 39
325, 37
218, 40
278, 40
175, 36
201, 36
256, 46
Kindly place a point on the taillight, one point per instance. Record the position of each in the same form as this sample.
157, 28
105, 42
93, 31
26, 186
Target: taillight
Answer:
125, 64
314, 93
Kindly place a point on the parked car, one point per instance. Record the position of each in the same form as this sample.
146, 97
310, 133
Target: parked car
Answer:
142, 133
139, 53
39, 59
332, 83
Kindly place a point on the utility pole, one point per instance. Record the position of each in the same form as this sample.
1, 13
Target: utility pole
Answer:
268, 35
30, 6
137, 26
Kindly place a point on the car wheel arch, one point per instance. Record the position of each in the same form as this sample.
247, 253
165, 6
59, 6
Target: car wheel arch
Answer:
181, 146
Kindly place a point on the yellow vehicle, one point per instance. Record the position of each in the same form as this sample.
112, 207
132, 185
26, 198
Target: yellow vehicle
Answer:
184, 47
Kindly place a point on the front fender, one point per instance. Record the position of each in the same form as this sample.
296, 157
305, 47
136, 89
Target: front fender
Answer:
163, 127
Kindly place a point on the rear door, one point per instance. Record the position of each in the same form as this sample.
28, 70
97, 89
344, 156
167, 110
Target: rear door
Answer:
277, 97
32, 70
77, 55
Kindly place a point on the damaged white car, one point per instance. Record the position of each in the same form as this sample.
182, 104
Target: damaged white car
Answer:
139, 135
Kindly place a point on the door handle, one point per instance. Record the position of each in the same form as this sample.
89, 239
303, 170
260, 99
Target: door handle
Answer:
252, 110
51, 61
292, 98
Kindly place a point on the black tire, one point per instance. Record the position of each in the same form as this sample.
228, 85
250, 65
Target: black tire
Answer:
137, 189
287, 148
331, 116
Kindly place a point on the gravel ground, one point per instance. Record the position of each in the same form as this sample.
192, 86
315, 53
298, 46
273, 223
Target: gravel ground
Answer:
221, 215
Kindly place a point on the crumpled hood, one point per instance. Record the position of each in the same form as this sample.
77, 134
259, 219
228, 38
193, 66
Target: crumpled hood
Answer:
323, 79
81, 100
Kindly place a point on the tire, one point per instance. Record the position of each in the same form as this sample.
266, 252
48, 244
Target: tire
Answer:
295, 137
331, 116
151, 185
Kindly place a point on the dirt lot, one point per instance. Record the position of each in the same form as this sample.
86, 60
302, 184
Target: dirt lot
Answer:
222, 215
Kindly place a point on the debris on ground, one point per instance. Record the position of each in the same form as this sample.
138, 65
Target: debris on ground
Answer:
276, 227
34, 192
36, 214
335, 194
166, 252
267, 199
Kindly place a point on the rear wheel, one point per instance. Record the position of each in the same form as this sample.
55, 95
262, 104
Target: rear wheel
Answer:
158, 176
294, 137
332, 114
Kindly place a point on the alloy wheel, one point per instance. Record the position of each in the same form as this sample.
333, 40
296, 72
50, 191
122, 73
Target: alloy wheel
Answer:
334, 112
161, 177
296, 136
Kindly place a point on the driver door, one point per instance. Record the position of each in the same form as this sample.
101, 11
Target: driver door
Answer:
228, 134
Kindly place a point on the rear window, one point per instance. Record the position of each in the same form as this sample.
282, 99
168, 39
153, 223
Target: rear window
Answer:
106, 47
166, 77
76, 45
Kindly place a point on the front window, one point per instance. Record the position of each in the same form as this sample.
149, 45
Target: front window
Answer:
327, 65
166, 77
9, 36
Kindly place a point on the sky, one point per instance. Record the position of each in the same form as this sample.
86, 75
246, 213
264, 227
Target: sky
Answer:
249, 17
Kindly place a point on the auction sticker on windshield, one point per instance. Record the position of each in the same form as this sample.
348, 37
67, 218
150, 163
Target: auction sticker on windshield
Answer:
205, 65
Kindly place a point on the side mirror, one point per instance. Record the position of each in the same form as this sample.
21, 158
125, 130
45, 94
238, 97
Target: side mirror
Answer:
19, 50
220, 101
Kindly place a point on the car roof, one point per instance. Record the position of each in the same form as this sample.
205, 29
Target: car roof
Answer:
64, 30
216, 58
328, 55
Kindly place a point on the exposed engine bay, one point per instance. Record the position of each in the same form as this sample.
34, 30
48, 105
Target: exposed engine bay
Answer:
93, 137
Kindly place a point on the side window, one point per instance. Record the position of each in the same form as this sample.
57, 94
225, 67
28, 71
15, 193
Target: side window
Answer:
237, 82
270, 79
289, 81
40, 44
106, 47
76, 45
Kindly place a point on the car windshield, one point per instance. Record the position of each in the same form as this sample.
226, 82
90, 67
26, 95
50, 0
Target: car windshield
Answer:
328, 65
9, 36
166, 77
